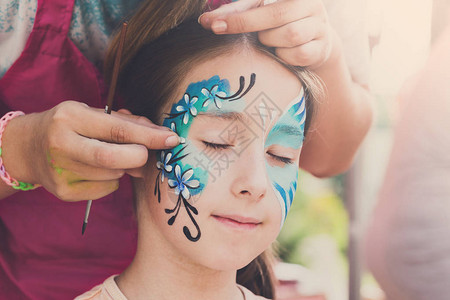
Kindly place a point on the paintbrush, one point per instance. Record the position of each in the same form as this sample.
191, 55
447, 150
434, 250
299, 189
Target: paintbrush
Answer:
109, 102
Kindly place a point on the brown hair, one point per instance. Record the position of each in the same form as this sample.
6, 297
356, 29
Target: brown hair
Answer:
151, 19
151, 78
258, 275
158, 56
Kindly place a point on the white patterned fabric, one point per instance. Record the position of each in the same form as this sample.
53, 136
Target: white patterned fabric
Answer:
93, 22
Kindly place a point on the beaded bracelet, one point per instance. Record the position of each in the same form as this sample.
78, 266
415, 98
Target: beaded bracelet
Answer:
14, 183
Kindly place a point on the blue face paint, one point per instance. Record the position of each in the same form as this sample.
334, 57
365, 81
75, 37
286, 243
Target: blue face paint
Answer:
177, 165
181, 169
287, 132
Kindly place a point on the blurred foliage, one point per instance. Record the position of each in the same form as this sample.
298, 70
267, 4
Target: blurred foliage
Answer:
316, 210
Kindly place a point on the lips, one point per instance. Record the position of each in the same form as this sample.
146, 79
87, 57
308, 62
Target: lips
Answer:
237, 222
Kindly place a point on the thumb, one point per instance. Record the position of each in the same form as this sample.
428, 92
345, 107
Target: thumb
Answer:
206, 19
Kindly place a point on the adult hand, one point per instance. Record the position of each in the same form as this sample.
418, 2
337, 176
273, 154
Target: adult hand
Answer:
298, 29
77, 152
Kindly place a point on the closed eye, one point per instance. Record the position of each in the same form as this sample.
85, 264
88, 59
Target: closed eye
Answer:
216, 146
282, 159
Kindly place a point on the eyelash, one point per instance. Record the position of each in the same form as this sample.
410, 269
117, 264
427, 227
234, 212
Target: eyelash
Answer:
216, 146
225, 146
281, 158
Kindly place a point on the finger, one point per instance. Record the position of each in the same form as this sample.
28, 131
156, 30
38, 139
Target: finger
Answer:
226, 9
264, 17
139, 172
136, 172
75, 171
126, 115
103, 155
124, 129
124, 111
68, 170
293, 34
87, 190
305, 55
116, 128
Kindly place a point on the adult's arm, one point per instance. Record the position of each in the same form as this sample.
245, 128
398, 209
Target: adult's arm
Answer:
343, 119
77, 152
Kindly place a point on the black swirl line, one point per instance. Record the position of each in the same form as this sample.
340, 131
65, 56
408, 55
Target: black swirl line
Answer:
241, 87
252, 83
186, 230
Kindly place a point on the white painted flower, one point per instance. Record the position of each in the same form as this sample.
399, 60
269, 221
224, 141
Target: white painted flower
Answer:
183, 182
188, 107
174, 129
213, 95
163, 164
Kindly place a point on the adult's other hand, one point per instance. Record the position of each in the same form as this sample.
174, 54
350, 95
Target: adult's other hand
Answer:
77, 152
298, 29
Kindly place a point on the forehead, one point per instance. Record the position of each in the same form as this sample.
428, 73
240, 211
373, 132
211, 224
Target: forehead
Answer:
274, 84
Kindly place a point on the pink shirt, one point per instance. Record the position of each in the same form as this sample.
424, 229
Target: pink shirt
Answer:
42, 252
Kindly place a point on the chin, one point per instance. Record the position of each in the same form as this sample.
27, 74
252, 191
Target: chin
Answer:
227, 258
227, 264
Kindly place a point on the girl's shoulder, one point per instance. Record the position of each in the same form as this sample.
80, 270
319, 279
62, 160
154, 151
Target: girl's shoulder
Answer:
108, 290
248, 295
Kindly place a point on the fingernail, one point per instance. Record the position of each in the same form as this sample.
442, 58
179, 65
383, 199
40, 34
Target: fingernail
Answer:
205, 19
172, 141
219, 26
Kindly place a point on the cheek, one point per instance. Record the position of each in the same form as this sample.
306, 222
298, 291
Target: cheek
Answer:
283, 178
274, 209
152, 182
283, 181
194, 159
178, 186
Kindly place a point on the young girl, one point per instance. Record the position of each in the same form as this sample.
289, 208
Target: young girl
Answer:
208, 209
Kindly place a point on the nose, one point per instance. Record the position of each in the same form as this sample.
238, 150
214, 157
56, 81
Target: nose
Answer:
250, 180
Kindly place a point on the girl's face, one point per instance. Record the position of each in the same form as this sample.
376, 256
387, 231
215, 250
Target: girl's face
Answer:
221, 196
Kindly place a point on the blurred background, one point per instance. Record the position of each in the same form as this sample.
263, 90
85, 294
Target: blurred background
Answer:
325, 226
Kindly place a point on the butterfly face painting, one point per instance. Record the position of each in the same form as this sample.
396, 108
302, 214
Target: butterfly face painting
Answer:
278, 145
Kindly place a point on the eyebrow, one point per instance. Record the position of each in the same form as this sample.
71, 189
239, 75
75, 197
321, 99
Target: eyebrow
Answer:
232, 116
288, 129
235, 116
